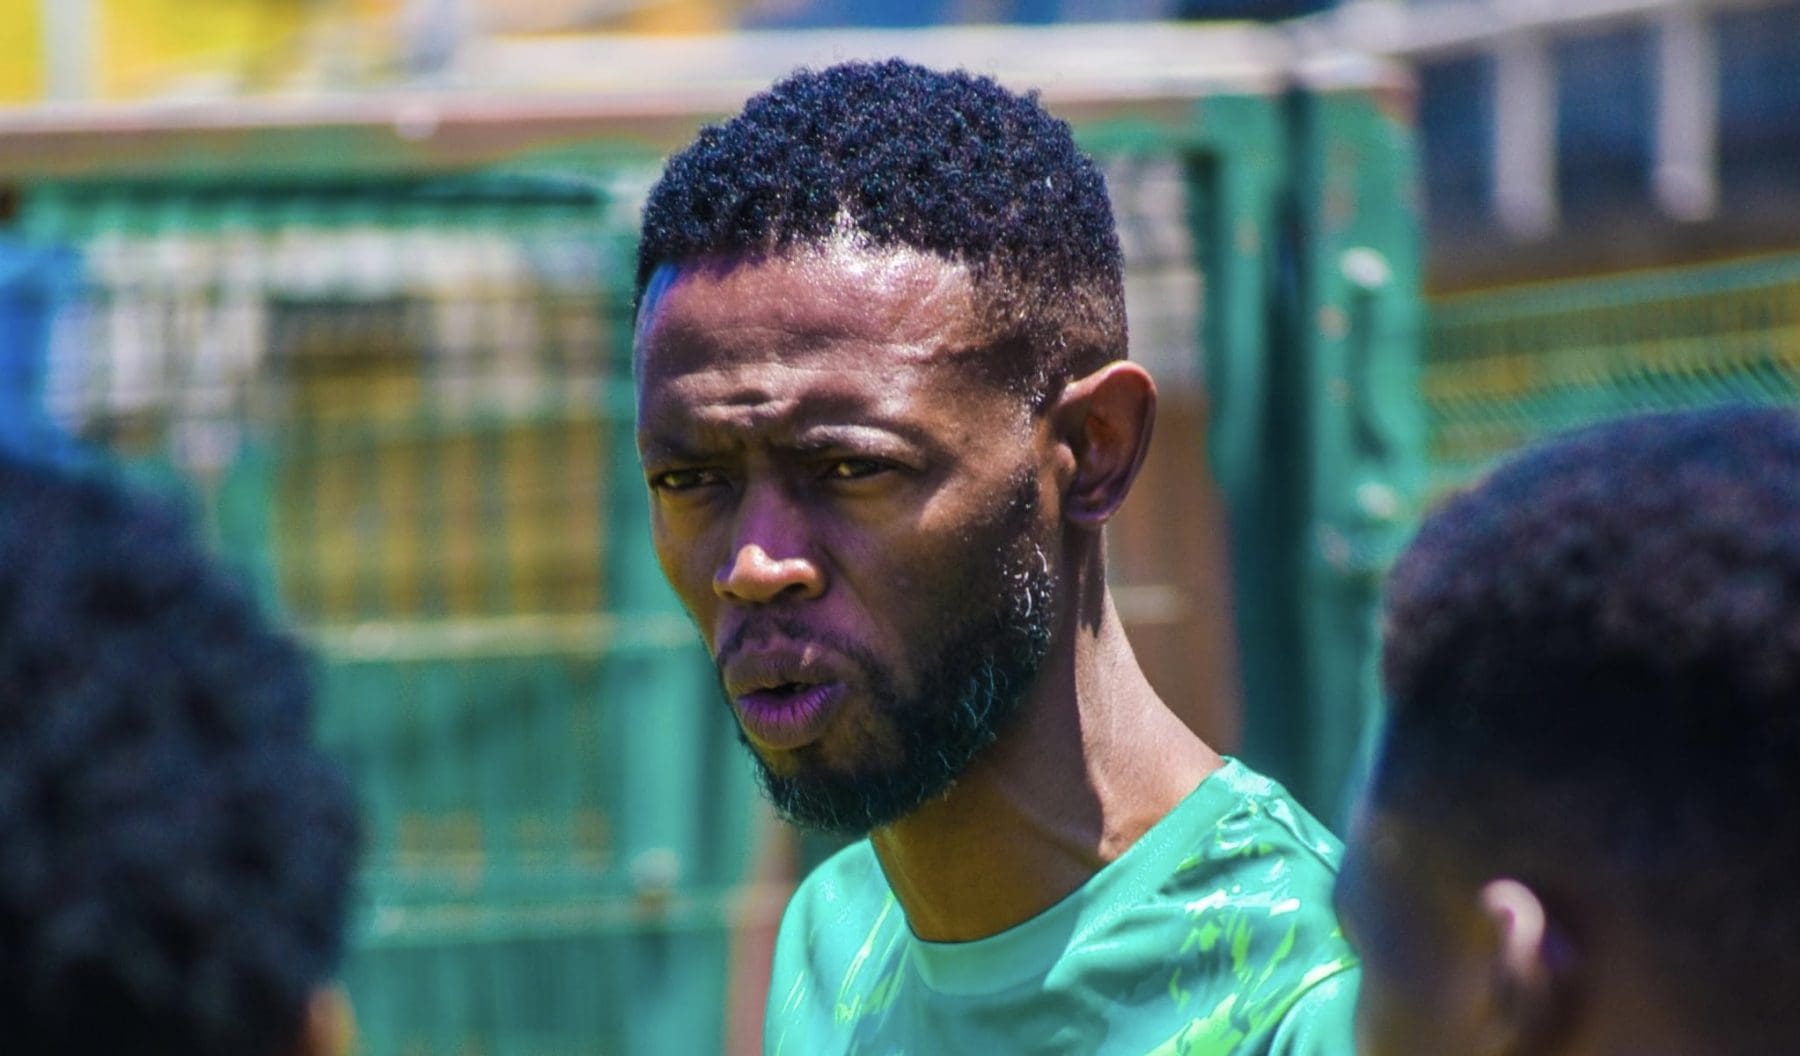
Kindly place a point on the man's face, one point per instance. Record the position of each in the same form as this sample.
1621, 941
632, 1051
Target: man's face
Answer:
853, 520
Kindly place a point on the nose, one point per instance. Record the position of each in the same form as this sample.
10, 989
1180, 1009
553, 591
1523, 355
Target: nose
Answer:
769, 559
754, 577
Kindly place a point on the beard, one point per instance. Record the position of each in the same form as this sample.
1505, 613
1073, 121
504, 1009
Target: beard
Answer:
971, 685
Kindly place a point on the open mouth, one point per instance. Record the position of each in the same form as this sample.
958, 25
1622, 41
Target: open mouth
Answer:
788, 714
781, 694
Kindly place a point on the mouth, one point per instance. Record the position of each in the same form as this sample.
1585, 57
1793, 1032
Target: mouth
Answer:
787, 715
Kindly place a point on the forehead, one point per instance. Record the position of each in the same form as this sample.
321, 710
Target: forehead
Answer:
734, 348
837, 306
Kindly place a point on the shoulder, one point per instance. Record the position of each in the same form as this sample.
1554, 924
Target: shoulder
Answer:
1249, 844
1262, 943
1265, 812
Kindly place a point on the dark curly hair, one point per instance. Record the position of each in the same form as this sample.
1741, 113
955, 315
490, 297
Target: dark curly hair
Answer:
175, 853
902, 156
1593, 665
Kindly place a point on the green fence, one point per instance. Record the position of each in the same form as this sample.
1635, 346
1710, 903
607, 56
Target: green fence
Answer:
400, 396
1506, 367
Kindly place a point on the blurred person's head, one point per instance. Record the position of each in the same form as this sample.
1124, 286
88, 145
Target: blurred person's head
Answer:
883, 414
1583, 830
175, 853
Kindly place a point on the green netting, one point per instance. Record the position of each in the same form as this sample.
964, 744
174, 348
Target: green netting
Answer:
1505, 368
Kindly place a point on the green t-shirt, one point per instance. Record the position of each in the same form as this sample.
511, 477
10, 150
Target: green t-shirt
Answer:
1212, 934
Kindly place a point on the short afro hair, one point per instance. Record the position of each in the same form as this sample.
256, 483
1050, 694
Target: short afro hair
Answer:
900, 156
1593, 666
175, 853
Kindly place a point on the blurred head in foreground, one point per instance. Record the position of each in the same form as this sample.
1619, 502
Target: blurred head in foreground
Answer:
175, 853
1583, 832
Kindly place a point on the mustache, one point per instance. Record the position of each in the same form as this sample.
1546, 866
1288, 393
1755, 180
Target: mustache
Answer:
790, 626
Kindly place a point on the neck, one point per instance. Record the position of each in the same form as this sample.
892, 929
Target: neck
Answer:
1094, 759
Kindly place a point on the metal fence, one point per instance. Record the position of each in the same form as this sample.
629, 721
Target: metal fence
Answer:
1506, 367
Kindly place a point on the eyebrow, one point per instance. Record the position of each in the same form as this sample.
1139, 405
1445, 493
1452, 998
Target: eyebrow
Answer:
810, 440
817, 421
665, 449
826, 436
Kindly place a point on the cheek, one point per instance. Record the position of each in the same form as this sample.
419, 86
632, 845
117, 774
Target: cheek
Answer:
1415, 997
897, 594
685, 561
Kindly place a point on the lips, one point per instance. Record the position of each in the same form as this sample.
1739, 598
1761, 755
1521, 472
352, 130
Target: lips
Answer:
785, 696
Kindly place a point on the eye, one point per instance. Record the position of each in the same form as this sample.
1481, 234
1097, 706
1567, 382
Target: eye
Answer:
678, 480
854, 468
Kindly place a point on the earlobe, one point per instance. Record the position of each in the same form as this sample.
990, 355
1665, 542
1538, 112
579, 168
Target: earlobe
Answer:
1525, 976
1106, 419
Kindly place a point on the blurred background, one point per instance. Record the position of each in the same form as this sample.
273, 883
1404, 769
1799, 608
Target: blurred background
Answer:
352, 278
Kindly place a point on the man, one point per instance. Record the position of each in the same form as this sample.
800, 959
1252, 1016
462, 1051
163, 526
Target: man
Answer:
1584, 824
175, 854
884, 414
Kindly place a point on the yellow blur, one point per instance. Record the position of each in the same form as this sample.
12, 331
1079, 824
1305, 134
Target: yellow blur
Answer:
147, 48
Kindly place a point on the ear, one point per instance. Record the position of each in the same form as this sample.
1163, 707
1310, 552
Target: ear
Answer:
1526, 973
1105, 419
329, 1026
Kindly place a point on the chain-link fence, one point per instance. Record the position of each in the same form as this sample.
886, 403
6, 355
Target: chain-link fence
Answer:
1507, 367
